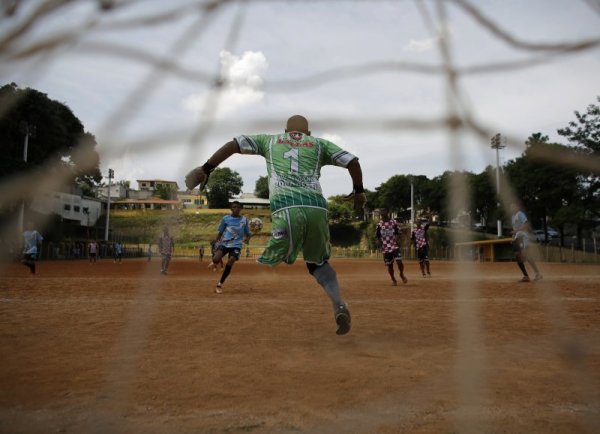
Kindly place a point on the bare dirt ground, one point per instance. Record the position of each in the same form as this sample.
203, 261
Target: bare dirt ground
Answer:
119, 348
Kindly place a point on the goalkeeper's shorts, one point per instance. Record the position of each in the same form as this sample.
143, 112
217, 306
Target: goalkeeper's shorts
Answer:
298, 230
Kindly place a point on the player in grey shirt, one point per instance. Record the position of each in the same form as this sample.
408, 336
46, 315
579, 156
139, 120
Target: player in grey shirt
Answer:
521, 240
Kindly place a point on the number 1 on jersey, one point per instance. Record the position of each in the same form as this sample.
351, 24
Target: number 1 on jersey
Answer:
293, 155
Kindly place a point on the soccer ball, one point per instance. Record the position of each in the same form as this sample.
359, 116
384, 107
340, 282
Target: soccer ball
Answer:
255, 224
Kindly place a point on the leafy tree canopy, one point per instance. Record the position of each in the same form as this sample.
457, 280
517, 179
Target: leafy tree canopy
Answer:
261, 188
222, 185
55, 135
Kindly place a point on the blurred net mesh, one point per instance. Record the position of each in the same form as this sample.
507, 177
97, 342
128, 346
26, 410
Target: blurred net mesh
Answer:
457, 121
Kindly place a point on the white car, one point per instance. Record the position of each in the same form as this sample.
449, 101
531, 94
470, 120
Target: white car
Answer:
541, 238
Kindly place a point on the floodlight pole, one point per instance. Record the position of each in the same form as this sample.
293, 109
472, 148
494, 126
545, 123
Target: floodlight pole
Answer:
29, 130
110, 177
412, 206
497, 145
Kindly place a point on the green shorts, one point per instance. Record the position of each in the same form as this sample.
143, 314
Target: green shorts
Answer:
295, 230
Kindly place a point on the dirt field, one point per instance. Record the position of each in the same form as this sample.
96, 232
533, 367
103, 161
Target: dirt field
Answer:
119, 348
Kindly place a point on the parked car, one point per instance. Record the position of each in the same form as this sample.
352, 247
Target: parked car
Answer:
541, 238
479, 227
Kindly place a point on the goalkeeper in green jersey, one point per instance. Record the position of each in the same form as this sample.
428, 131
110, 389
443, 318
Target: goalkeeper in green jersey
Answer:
299, 210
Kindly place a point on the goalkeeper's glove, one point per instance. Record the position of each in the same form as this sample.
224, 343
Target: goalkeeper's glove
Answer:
359, 197
198, 176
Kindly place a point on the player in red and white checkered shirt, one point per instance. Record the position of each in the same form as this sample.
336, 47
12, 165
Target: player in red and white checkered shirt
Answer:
419, 238
388, 240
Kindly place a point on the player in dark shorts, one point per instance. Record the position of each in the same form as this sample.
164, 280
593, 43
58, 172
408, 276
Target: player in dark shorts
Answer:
520, 242
233, 231
388, 240
419, 238
32, 241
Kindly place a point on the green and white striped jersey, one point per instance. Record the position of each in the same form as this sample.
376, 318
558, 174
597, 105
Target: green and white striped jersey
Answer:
294, 162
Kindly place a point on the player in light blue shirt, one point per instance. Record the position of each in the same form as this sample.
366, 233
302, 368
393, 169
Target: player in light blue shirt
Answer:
31, 240
520, 233
233, 231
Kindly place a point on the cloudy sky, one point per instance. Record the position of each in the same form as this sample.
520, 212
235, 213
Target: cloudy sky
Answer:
371, 76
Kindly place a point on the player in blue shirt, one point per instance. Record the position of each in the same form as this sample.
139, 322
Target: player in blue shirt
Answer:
233, 231
32, 241
520, 235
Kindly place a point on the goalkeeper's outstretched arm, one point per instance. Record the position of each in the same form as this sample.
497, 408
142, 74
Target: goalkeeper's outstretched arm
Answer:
200, 175
358, 191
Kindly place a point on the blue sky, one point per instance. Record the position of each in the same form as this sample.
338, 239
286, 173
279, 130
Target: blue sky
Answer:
268, 51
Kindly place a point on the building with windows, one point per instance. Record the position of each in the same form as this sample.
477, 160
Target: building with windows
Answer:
250, 201
116, 191
155, 184
144, 204
70, 206
192, 200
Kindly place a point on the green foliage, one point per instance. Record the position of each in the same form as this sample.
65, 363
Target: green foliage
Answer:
261, 189
222, 185
585, 134
166, 192
544, 186
187, 227
340, 210
56, 135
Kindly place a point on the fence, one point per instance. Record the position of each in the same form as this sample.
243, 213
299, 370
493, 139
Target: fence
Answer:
78, 250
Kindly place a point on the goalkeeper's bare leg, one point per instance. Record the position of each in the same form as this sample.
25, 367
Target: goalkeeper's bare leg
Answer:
327, 278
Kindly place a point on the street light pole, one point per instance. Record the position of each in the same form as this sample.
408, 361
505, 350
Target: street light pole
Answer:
110, 177
29, 130
497, 145
412, 206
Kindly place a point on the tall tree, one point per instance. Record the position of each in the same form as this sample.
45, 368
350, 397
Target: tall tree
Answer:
543, 186
166, 192
484, 195
54, 134
584, 133
261, 188
222, 185
340, 209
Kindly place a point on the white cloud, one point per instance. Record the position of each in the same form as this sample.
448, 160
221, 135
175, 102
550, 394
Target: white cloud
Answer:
243, 77
420, 46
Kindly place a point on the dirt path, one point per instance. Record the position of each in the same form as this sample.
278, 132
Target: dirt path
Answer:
119, 348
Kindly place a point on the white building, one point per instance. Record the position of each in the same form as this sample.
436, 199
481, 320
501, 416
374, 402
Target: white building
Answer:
249, 200
85, 210
117, 191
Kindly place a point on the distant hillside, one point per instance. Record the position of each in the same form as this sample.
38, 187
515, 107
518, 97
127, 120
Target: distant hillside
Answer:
193, 227
188, 226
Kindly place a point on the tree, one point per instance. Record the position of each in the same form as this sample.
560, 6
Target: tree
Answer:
340, 209
165, 192
584, 133
55, 135
262, 187
484, 203
222, 185
543, 186
394, 193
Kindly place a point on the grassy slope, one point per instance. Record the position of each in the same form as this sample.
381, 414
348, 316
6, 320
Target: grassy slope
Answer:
188, 226
193, 227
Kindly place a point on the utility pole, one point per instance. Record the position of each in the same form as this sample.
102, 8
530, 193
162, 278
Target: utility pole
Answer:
412, 206
111, 174
497, 144
29, 131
